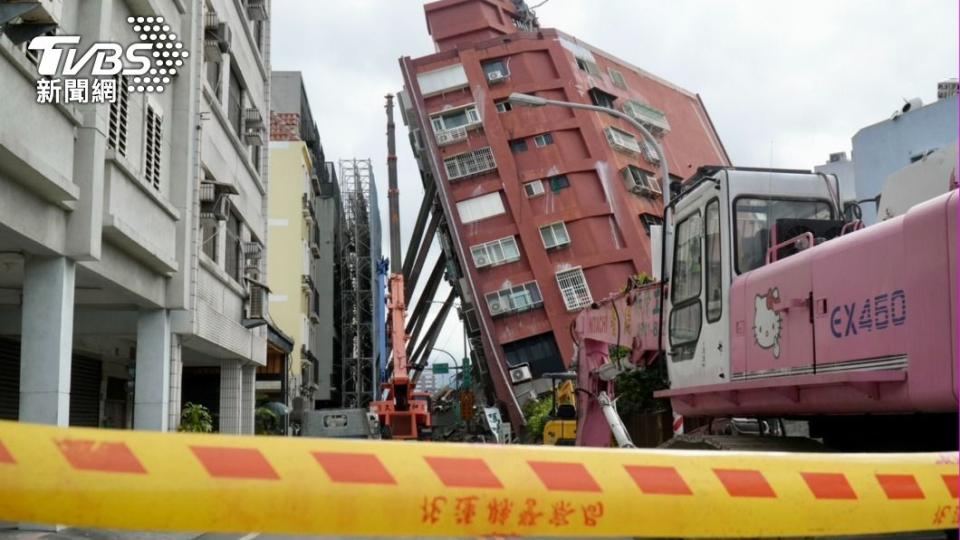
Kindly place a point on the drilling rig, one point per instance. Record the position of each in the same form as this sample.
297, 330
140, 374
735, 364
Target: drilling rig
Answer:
402, 411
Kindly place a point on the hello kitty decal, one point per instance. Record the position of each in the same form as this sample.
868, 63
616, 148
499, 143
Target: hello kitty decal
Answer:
766, 321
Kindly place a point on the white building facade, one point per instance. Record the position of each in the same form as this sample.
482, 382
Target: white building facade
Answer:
132, 234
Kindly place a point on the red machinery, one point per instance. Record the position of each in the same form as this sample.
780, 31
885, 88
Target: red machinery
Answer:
776, 306
401, 411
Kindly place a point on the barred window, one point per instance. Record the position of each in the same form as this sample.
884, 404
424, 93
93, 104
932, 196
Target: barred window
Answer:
117, 137
151, 155
573, 287
470, 163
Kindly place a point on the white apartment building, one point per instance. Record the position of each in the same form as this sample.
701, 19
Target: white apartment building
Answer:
132, 233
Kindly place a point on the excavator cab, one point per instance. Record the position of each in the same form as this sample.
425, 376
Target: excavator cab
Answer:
561, 428
728, 222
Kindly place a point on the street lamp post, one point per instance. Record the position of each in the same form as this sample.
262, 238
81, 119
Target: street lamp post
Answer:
527, 100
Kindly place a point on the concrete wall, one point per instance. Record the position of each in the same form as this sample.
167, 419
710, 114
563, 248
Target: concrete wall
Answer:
66, 195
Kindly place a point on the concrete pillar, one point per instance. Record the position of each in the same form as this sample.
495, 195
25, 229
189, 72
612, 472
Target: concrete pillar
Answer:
47, 340
231, 392
248, 399
151, 407
176, 381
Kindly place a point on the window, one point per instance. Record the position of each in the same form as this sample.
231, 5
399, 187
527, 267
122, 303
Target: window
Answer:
588, 66
543, 140
235, 103
442, 80
518, 145
639, 181
208, 234
554, 235
481, 207
213, 76
117, 138
540, 352
503, 105
754, 219
686, 316
495, 253
233, 238
602, 99
559, 182
514, 299
687, 259
469, 164
153, 136
496, 70
713, 267
649, 220
573, 287
462, 117
650, 153
652, 118
617, 78
533, 189
621, 140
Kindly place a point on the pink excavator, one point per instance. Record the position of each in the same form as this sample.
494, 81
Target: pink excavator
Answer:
774, 302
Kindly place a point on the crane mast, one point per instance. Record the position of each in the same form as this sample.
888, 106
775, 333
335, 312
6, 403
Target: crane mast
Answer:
405, 416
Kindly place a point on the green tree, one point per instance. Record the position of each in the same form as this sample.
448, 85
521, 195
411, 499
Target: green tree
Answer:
537, 412
195, 418
634, 389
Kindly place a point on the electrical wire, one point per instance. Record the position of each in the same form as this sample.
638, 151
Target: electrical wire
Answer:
538, 5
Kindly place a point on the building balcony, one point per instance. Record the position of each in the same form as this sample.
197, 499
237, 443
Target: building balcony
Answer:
451, 136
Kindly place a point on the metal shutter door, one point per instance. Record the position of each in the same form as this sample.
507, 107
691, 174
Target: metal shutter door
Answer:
85, 378
9, 379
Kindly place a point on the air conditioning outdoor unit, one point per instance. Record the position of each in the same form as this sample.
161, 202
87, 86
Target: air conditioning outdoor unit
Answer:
253, 136
533, 189
497, 307
481, 260
213, 200
257, 10
256, 304
495, 76
520, 374
640, 182
216, 38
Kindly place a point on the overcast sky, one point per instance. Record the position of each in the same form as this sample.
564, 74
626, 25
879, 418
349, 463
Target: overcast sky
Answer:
785, 82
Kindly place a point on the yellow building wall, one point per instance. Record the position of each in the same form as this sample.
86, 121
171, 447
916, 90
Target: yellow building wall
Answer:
288, 233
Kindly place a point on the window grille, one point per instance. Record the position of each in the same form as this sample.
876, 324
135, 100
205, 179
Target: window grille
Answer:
573, 287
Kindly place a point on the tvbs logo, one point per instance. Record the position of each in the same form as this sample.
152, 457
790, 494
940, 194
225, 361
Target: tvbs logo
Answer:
148, 65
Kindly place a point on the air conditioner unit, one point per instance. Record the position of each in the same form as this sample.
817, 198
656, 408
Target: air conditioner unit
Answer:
217, 39
533, 189
213, 199
481, 260
216, 209
640, 182
256, 302
520, 374
252, 118
253, 136
257, 10
495, 76
497, 307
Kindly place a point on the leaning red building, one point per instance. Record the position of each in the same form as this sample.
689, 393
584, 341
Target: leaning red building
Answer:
544, 210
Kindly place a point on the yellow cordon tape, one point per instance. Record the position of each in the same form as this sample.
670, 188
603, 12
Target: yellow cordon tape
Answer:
185, 482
